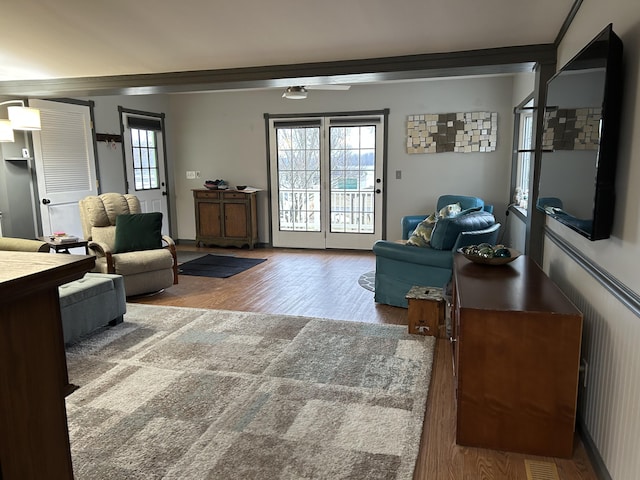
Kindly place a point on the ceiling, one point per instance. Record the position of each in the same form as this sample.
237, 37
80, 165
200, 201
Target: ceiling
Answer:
61, 39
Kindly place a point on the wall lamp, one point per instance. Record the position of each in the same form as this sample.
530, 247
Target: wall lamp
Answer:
20, 118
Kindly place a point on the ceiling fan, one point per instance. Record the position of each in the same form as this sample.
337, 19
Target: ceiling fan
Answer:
299, 92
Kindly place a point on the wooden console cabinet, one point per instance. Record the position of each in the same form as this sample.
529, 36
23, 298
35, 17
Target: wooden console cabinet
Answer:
516, 355
34, 440
226, 218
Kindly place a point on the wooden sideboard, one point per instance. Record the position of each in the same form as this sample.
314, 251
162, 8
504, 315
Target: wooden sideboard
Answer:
226, 217
34, 440
516, 356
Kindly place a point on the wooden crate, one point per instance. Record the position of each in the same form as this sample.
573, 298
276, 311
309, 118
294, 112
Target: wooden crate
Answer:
426, 311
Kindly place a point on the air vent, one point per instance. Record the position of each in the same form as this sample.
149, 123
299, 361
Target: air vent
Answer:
541, 470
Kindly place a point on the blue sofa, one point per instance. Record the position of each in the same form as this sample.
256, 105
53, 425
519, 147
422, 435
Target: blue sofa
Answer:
400, 266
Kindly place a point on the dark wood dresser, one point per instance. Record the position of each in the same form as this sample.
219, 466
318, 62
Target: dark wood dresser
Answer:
226, 217
516, 356
34, 440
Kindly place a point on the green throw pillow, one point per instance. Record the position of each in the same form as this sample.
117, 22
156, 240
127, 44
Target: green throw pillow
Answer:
138, 231
422, 234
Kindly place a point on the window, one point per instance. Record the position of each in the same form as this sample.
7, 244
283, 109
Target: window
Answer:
145, 159
524, 147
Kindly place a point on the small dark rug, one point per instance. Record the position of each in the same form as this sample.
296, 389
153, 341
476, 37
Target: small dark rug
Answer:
218, 266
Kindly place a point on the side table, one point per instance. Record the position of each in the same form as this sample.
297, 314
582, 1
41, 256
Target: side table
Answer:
426, 310
64, 247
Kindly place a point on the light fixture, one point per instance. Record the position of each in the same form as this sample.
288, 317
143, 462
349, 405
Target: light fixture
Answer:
20, 118
295, 93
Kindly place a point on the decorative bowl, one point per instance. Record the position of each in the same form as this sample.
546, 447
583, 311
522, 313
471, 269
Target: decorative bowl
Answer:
493, 260
210, 186
240, 187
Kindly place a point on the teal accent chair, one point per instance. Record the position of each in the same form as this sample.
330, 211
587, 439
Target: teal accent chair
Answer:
400, 267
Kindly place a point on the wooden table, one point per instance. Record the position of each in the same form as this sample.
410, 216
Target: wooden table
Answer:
516, 354
34, 440
64, 247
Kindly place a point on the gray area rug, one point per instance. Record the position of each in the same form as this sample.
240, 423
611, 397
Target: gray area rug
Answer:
179, 393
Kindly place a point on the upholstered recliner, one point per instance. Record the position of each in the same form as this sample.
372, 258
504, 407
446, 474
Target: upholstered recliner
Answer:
400, 267
143, 256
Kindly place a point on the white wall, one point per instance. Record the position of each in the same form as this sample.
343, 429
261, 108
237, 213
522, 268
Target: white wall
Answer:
107, 120
222, 135
609, 404
619, 255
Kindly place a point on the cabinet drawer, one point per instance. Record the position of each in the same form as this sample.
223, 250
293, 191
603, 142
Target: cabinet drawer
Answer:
206, 194
239, 195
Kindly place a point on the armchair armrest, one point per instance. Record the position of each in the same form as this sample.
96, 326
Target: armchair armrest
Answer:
171, 246
101, 249
475, 237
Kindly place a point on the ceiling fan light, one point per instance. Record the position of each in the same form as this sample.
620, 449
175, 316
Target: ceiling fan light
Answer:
24, 118
295, 93
6, 132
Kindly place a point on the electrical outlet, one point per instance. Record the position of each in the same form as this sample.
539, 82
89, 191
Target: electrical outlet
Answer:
191, 175
398, 174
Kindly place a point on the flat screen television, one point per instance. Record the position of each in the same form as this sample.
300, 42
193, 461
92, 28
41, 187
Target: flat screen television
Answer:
580, 138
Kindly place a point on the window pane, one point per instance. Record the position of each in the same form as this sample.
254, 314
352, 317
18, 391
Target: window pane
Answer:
145, 159
299, 178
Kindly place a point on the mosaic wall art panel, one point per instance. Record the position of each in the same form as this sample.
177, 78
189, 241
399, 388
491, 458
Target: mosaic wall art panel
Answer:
572, 129
464, 132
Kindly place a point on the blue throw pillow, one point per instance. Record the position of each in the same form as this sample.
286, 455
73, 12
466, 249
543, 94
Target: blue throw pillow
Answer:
138, 231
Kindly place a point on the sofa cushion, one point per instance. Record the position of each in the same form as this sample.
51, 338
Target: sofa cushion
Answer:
131, 263
446, 230
138, 231
106, 235
421, 236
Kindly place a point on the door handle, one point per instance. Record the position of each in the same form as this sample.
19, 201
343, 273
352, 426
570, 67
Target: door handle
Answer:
46, 201
164, 193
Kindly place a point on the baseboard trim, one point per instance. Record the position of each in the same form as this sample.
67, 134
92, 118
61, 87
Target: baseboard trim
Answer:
592, 451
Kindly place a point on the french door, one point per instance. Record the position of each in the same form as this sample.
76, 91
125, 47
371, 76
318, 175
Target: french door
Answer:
327, 181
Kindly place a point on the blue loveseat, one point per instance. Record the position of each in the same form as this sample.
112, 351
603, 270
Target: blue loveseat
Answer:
400, 266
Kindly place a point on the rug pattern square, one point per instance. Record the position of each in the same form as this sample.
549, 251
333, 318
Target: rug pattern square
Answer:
175, 393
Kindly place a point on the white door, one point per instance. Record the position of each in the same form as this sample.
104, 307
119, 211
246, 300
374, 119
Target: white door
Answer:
327, 177
144, 159
65, 164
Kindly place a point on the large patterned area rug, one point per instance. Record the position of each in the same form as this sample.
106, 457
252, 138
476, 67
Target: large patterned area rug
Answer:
179, 393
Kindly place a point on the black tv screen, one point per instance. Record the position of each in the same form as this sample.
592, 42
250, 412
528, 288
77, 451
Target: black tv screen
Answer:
580, 138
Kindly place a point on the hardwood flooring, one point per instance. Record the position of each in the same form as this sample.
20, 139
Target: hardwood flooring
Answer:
325, 284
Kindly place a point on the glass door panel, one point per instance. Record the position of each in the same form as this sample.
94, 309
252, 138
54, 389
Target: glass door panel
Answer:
328, 180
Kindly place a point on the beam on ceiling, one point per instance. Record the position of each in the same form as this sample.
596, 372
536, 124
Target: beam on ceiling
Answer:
471, 62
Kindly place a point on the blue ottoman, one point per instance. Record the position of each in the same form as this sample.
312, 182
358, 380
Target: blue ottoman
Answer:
94, 301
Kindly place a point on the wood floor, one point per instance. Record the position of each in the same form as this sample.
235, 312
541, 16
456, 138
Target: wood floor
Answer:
325, 284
